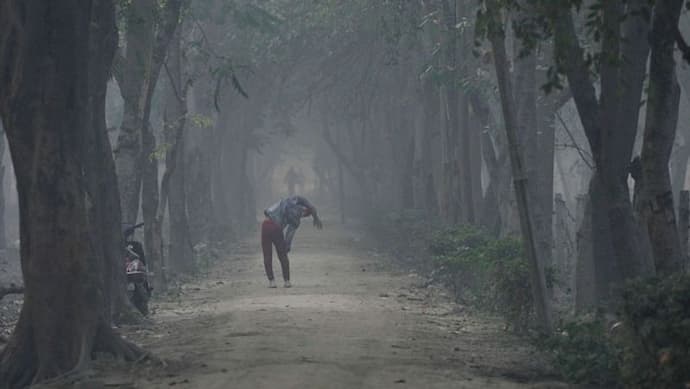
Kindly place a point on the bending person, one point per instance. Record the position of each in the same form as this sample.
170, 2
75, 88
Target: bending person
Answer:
278, 229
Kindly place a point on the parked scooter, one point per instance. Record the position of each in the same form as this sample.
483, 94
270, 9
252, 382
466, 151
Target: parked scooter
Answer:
138, 286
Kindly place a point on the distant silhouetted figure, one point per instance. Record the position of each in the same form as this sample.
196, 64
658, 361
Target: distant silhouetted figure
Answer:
300, 181
291, 180
282, 220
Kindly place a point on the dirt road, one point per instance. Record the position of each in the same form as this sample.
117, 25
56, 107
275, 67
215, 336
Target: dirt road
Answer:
350, 321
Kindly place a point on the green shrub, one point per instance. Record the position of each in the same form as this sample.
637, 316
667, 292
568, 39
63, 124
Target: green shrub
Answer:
648, 347
655, 338
487, 272
583, 353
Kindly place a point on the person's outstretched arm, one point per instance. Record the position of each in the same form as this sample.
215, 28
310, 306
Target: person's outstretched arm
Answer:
312, 210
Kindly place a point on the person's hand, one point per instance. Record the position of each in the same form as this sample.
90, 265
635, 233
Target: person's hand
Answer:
317, 223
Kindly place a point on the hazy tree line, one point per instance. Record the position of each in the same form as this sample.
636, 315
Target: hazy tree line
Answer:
466, 112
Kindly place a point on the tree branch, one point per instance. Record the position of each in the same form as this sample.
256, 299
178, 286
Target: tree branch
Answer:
570, 58
586, 158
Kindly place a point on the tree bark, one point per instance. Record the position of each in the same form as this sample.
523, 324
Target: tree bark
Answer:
168, 19
585, 285
538, 279
610, 124
564, 249
52, 106
536, 154
656, 197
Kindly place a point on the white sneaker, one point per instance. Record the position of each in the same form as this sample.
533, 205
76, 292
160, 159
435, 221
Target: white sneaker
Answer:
272, 284
288, 284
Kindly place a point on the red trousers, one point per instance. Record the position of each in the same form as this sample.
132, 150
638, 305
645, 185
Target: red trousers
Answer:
272, 235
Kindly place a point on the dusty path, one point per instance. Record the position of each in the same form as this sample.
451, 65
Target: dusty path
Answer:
350, 321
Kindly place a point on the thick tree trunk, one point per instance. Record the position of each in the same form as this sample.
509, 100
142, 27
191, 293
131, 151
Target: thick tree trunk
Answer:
610, 125
51, 119
656, 197
105, 213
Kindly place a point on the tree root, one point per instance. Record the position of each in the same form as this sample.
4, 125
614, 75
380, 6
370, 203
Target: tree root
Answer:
110, 342
127, 351
68, 378
17, 364
21, 367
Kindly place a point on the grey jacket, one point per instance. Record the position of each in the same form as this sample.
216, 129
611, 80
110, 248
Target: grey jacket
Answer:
287, 214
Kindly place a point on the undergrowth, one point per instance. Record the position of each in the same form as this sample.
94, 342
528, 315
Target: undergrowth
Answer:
483, 272
489, 273
644, 344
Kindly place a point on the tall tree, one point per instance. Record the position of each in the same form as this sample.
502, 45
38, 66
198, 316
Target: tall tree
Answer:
173, 194
134, 72
656, 195
496, 34
610, 121
56, 58
149, 28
